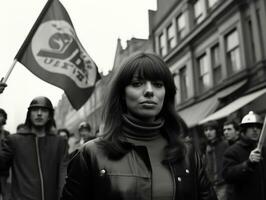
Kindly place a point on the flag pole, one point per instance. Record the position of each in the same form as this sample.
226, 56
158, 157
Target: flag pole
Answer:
9, 71
262, 136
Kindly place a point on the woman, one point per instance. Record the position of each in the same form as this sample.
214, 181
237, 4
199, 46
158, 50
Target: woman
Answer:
141, 154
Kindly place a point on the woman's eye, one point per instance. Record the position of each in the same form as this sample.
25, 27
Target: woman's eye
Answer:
136, 83
158, 84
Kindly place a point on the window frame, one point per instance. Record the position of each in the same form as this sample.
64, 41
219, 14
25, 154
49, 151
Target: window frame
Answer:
204, 75
171, 39
211, 6
200, 17
184, 84
233, 57
162, 48
180, 30
216, 63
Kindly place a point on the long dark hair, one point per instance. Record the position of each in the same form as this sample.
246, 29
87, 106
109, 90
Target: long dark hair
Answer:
152, 67
214, 125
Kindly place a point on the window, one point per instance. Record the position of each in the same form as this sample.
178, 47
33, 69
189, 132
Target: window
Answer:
216, 64
204, 73
212, 3
183, 83
233, 52
199, 13
162, 44
180, 22
171, 39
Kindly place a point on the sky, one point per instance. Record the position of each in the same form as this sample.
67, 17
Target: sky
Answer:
98, 24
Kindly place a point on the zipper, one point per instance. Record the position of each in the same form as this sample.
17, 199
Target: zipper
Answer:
174, 182
142, 152
39, 166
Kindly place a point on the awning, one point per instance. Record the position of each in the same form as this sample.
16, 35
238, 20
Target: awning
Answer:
197, 112
234, 106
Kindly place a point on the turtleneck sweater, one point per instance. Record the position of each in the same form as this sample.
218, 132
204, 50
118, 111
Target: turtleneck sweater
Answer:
148, 134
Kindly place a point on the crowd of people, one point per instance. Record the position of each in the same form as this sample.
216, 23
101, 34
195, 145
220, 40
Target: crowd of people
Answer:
142, 153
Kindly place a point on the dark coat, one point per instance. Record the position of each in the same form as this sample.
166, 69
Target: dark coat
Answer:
214, 160
246, 179
93, 175
3, 136
38, 165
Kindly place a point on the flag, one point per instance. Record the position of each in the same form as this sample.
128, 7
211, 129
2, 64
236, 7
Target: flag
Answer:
53, 52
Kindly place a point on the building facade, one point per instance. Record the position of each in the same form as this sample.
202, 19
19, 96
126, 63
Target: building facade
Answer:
216, 50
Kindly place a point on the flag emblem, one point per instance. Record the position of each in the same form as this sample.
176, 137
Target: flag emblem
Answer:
56, 49
53, 52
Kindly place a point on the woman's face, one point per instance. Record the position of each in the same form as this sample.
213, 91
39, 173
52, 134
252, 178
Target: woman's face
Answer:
144, 98
210, 133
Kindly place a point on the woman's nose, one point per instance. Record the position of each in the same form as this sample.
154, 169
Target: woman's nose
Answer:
148, 89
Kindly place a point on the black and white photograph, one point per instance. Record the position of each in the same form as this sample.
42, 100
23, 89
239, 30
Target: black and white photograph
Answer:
133, 100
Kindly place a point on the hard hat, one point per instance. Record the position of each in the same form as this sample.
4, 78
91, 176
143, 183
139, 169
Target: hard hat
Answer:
84, 125
42, 102
251, 118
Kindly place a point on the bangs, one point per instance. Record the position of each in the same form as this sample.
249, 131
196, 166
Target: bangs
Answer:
145, 67
149, 70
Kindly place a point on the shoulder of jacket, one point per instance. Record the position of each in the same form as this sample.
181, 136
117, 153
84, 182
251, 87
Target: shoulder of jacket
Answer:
91, 146
234, 148
19, 135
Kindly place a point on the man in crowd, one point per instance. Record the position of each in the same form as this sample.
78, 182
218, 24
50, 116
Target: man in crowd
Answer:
231, 132
38, 156
4, 185
83, 135
64, 133
243, 165
85, 132
215, 149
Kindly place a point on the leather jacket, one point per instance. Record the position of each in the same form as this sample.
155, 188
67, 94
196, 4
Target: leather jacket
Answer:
93, 175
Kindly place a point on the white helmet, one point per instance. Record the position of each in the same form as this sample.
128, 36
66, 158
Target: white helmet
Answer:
84, 125
251, 118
